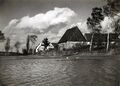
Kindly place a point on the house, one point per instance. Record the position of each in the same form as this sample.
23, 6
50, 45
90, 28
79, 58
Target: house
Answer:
70, 38
40, 47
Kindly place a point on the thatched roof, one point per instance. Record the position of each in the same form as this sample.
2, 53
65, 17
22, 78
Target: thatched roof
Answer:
73, 34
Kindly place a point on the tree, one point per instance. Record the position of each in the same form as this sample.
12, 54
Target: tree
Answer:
46, 43
111, 9
7, 45
117, 26
17, 46
33, 38
93, 22
113, 6
30, 38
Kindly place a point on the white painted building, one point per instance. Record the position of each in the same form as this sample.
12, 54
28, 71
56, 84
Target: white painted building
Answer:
40, 47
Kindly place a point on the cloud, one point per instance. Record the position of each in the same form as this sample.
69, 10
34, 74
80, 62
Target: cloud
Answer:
42, 21
50, 18
83, 27
18, 29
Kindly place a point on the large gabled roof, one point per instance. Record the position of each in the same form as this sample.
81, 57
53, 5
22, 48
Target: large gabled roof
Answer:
72, 34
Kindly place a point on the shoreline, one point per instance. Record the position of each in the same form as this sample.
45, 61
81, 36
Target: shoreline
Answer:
72, 57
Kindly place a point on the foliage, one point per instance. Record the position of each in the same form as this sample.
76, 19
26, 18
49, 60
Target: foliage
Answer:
107, 10
46, 43
113, 6
111, 9
7, 45
24, 51
117, 26
93, 22
17, 46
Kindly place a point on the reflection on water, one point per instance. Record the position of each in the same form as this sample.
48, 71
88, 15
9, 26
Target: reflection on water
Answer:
57, 72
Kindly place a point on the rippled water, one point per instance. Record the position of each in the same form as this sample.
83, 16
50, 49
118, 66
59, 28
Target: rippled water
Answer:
59, 72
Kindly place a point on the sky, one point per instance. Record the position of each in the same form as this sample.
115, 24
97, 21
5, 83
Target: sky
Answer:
44, 18
11, 9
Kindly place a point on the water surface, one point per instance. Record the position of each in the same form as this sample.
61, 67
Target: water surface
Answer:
59, 72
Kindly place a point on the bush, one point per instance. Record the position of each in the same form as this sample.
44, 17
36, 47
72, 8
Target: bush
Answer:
24, 51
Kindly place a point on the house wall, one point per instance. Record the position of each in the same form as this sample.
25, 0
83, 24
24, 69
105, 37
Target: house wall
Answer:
67, 45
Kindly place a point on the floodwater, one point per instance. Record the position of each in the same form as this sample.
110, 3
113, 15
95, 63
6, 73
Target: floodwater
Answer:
59, 72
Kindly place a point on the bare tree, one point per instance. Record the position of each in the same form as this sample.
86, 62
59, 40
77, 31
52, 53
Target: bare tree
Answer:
30, 38
33, 39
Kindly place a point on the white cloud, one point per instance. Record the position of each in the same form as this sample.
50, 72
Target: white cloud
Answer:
18, 29
62, 31
83, 27
43, 21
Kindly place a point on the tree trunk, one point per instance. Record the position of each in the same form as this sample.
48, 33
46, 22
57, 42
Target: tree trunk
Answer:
91, 43
108, 42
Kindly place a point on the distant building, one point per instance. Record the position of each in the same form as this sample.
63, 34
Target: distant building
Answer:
71, 37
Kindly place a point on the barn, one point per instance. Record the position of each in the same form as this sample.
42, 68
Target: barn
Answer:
70, 38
